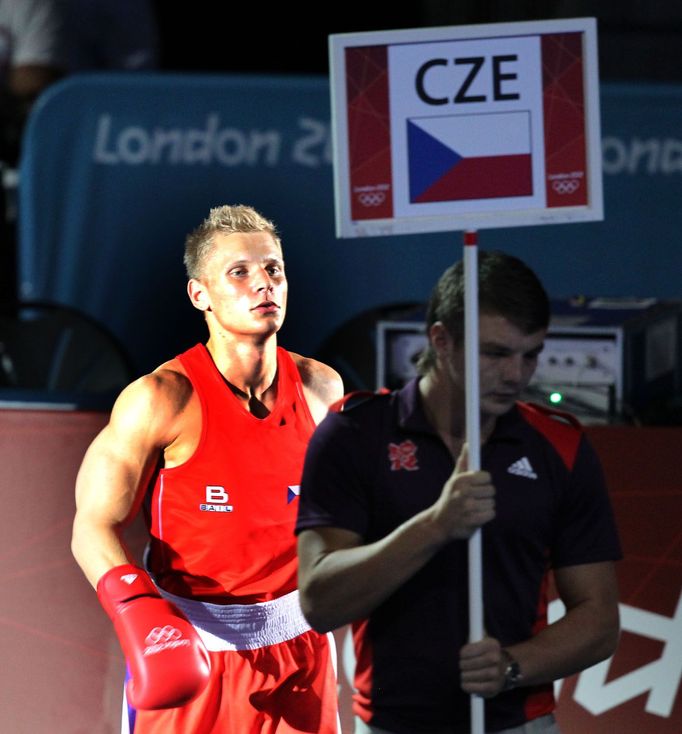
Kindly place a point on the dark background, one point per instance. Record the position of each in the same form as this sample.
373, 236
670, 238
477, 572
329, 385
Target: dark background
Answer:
637, 40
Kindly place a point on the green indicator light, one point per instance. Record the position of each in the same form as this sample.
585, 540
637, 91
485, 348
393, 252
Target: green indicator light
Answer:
555, 397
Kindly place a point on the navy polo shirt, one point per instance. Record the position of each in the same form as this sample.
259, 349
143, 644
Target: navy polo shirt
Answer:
373, 466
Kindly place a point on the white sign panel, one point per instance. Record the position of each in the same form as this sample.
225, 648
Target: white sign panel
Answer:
466, 127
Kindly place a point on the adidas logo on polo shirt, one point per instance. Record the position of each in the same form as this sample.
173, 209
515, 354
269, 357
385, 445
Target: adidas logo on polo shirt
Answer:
522, 468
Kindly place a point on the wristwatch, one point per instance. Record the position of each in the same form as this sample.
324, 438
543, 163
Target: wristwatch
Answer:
512, 673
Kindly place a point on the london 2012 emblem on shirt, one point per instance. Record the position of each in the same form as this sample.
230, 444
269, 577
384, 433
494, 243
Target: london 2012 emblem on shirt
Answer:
403, 456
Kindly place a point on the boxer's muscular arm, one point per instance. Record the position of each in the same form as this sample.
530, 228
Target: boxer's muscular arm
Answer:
165, 672
112, 477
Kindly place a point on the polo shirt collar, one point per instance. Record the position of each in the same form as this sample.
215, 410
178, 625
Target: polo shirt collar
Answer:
411, 415
508, 427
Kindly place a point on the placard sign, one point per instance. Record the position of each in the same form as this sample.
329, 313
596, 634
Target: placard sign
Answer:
466, 127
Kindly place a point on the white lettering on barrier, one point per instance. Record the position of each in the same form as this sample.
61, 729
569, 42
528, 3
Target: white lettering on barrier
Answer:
660, 678
651, 156
317, 136
135, 145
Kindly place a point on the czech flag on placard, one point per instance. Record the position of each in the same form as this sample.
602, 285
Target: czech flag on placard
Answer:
456, 157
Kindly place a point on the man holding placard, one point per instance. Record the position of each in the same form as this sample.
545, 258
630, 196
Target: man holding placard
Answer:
388, 503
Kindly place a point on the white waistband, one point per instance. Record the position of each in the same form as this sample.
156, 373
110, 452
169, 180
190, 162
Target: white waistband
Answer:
243, 626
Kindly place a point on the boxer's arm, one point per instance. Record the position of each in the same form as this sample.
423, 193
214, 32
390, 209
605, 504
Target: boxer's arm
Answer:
167, 660
112, 477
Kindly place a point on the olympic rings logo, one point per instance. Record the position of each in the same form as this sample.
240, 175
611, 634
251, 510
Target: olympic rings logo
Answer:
566, 186
163, 634
372, 198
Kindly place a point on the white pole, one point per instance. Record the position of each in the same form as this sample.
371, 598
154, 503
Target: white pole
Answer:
473, 437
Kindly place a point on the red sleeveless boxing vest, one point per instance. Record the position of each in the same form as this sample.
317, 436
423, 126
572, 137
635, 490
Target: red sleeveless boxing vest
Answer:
221, 524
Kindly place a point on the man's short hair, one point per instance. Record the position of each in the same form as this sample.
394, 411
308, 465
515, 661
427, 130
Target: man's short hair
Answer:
227, 219
506, 287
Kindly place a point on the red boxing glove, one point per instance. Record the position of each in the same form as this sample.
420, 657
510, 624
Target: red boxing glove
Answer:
167, 660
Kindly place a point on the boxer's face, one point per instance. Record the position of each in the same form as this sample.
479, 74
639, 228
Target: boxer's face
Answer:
243, 284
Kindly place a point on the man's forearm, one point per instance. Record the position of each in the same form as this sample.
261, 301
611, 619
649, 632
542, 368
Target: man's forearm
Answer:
587, 634
346, 584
